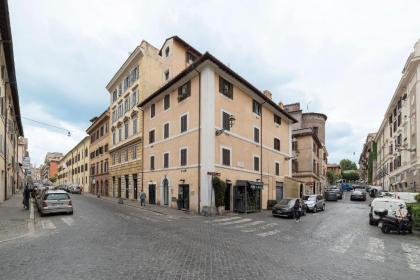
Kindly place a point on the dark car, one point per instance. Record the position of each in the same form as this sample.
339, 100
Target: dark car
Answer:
331, 195
339, 193
358, 194
285, 208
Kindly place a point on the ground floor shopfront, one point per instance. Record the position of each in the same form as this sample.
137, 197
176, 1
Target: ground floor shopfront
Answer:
406, 180
99, 184
311, 184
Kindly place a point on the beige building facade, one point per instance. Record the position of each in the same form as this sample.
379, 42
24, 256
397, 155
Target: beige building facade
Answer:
397, 166
334, 168
208, 121
99, 134
74, 166
367, 159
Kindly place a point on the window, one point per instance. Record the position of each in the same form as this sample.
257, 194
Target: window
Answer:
152, 162
277, 168
184, 91
126, 155
276, 144
165, 160
225, 156
399, 140
294, 146
134, 74
152, 111
151, 136
391, 149
190, 58
256, 135
106, 148
120, 134
126, 104
226, 122
256, 107
225, 88
277, 119
120, 89
399, 119
135, 125
113, 138
167, 51
183, 157
166, 74
134, 99
184, 123
134, 152
126, 130
101, 133
166, 102
166, 130
114, 96
256, 163
114, 156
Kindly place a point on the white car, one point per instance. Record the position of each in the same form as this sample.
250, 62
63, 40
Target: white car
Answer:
390, 204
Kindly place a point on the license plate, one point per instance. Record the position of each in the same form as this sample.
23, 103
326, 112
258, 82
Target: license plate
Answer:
380, 225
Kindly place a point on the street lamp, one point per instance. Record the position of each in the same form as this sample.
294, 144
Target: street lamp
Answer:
231, 123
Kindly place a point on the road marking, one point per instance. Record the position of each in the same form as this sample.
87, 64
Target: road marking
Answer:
235, 222
270, 225
375, 250
268, 233
223, 220
46, 224
69, 221
249, 224
413, 255
343, 244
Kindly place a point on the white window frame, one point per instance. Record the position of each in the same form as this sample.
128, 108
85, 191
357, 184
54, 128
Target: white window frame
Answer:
279, 145
180, 122
148, 136
150, 113
180, 158
164, 75
221, 117
169, 123
150, 161
169, 159
134, 155
221, 155
253, 162
163, 102
277, 162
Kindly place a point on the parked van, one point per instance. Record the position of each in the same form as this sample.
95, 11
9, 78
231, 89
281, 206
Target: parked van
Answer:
390, 204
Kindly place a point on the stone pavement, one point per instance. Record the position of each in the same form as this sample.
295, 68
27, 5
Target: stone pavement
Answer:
13, 219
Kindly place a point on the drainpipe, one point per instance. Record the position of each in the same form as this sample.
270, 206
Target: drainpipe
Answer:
199, 141
261, 152
5, 144
142, 148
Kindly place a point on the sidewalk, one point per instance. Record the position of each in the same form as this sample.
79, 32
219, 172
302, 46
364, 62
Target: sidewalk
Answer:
13, 219
152, 208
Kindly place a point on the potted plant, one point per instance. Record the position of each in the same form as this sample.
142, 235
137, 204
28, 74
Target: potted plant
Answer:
219, 187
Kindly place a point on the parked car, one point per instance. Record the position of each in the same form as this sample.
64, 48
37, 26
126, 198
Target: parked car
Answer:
389, 204
358, 194
339, 193
285, 208
55, 201
331, 195
314, 202
346, 187
76, 189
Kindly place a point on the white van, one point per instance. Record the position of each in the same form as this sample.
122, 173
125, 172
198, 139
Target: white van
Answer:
408, 197
390, 204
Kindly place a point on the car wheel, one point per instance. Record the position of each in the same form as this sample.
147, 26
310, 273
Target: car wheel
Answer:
323, 207
315, 209
385, 229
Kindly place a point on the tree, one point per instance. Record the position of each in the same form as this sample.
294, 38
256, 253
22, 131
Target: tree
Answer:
347, 164
53, 179
350, 175
331, 177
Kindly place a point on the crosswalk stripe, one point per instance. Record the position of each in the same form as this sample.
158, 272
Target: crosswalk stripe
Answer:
264, 227
46, 224
413, 255
249, 224
68, 221
235, 222
375, 250
268, 233
223, 220
343, 244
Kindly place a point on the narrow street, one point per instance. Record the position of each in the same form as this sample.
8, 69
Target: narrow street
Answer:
105, 240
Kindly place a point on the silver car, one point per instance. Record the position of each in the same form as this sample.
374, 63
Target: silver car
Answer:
55, 201
314, 202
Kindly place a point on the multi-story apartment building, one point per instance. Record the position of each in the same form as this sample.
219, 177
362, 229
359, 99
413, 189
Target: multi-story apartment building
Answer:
397, 140
10, 121
22, 154
209, 121
334, 168
51, 165
310, 153
145, 70
367, 158
99, 154
74, 166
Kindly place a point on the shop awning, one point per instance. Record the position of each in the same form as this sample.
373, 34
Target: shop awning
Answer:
251, 184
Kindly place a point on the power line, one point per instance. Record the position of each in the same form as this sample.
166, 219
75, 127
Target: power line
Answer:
47, 124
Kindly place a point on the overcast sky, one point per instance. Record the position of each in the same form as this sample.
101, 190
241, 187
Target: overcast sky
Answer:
341, 58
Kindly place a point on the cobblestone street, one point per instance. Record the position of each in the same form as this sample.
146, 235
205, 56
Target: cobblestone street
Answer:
105, 240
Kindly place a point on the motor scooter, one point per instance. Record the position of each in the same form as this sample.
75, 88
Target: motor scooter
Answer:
388, 223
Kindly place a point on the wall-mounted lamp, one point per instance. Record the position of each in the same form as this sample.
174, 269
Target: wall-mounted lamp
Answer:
231, 123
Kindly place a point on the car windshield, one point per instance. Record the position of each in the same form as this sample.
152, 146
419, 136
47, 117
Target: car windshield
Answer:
56, 196
284, 202
309, 198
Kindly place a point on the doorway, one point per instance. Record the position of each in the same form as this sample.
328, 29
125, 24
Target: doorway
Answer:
152, 194
279, 191
135, 185
165, 192
119, 187
301, 191
227, 196
184, 197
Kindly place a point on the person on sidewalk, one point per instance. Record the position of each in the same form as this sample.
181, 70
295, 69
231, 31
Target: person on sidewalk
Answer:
297, 208
26, 197
142, 198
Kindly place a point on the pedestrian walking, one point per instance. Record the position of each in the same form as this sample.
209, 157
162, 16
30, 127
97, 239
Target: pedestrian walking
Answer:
26, 194
142, 198
297, 208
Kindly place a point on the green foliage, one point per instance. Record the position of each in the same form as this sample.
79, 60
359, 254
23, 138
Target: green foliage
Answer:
219, 187
414, 210
347, 164
54, 179
350, 175
418, 198
270, 204
331, 177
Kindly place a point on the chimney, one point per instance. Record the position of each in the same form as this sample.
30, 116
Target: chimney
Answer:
268, 94
281, 105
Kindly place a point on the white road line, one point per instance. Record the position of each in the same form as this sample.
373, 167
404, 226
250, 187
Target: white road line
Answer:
270, 225
343, 244
375, 250
235, 222
413, 255
223, 220
268, 233
250, 224
46, 224
69, 221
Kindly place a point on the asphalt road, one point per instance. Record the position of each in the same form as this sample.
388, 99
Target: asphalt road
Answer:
104, 240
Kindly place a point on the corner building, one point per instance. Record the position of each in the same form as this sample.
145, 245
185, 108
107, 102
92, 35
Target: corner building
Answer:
209, 121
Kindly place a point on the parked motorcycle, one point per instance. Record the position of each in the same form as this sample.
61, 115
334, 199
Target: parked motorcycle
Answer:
388, 223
